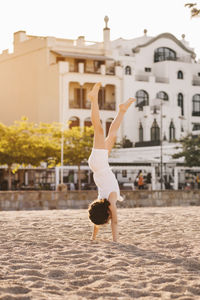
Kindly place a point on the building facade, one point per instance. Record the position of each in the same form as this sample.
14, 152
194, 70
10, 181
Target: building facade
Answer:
47, 79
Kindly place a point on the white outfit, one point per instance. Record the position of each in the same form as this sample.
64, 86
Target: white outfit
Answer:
103, 175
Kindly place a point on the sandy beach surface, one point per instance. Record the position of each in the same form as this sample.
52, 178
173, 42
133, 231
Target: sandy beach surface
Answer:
49, 255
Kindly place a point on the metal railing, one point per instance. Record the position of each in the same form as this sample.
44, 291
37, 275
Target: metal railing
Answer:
78, 104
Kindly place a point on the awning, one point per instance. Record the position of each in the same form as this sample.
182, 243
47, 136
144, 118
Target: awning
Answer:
81, 55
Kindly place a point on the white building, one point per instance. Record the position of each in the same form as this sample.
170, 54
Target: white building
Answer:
50, 79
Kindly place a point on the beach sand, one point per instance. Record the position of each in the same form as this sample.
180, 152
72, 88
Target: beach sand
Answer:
49, 255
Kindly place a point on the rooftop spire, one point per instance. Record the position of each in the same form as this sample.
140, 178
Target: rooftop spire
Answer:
106, 19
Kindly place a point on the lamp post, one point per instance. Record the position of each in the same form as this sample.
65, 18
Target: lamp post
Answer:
161, 145
160, 106
62, 153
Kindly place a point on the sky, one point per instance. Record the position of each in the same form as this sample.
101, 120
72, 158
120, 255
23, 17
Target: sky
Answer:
72, 18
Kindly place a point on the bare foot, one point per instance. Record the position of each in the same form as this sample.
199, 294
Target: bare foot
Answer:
124, 106
93, 94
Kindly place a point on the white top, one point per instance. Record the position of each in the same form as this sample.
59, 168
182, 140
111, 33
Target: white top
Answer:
103, 175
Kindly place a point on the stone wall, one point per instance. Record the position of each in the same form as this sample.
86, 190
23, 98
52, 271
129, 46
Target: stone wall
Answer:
34, 200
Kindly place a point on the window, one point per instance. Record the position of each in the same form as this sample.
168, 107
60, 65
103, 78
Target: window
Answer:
196, 126
180, 75
108, 123
140, 133
124, 173
155, 131
74, 121
196, 105
87, 122
163, 96
80, 97
142, 98
147, 69
128, 70
171, 131
163, 53
180, 103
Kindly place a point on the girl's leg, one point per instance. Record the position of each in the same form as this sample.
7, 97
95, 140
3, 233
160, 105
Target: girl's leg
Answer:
99, 140
112, 133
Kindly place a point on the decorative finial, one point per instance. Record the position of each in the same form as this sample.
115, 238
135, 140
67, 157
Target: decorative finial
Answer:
145, 31
183, 36
106, 19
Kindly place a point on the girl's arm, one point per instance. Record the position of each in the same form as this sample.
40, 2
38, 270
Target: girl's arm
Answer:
114, 220
95, 231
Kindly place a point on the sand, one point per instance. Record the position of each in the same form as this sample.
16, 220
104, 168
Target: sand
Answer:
49, 255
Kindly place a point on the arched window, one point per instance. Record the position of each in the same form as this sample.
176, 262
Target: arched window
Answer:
87, 122
128, 70
180, 103
108, 123
142, 98
180, 75
164, 53
163, 96
155, 131
74, 121
196, 105
171, 131
140, 133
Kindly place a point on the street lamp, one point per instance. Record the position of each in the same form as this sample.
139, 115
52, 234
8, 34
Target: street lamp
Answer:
156, 107
62, 153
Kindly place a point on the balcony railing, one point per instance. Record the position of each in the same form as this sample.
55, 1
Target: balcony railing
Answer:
147, 144
141, 77
86, 69
196, 80
162, 80
77, 104
107, 106
151, 78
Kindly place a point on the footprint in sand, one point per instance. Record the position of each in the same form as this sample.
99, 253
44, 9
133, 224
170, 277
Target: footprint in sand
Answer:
17, 290
57, 274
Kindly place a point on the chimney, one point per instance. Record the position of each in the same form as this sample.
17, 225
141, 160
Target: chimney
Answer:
145, 32
19, 37
81, 41
106, 34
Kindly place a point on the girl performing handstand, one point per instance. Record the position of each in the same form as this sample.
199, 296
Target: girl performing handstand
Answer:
104, 208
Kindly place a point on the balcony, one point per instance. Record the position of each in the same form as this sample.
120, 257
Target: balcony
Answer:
161, 80
196, 81
78, 96
141, 77
78, 104
150, 78
87, 67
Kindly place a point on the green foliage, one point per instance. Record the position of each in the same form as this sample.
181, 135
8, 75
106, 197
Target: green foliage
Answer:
28, 143
190, 151
125, 143
78, 142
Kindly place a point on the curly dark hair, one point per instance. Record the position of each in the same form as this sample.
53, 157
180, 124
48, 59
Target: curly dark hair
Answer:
99, 211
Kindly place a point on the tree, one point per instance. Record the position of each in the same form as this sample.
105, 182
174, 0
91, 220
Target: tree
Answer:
124, 143
26, 143
78, 142
190, 151
194, 11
